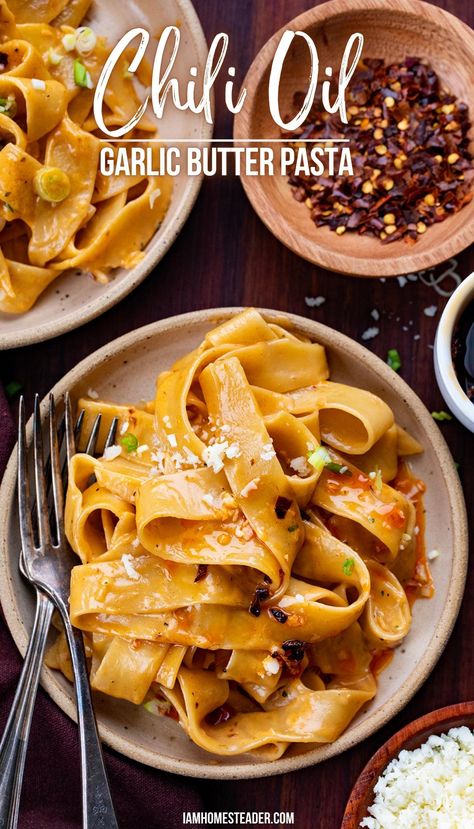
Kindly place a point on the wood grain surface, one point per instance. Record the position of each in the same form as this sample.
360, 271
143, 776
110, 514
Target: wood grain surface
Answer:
225, 256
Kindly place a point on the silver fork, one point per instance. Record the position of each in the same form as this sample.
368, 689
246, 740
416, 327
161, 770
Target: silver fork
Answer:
47, 565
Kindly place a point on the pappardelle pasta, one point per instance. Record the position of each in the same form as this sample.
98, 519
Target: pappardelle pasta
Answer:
250, 546
57, 211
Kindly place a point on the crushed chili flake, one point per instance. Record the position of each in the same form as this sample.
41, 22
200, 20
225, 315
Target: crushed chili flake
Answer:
261, 595
294, 650
201, 572
282, 506
279, 614
410, 150
220, 715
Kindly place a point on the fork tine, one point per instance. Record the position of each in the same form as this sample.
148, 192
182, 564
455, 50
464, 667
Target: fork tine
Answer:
91, 443
110, 439
70, 431
26, 528
44, 531
58, 494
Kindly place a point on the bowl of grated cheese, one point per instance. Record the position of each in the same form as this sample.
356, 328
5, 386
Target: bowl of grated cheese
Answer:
421, 778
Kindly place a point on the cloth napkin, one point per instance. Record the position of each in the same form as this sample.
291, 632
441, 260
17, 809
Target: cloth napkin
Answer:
51, 796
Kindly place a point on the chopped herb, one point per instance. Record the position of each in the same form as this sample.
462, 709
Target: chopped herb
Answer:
129, 442
81, 75
371, 520
293, 528
393, 359
337, 467
12, 389
8, 206
319, 458
376, 478
441, 416
348, 566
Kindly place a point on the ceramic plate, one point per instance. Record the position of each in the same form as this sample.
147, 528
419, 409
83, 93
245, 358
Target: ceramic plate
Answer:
125, 371
73, 299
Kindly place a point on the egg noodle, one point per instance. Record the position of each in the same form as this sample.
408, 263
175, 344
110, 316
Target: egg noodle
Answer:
236, 573
57, 211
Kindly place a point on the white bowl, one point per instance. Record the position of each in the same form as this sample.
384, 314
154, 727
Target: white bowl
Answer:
72, 299
454, 395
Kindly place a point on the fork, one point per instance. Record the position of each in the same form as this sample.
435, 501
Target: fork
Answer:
47, 565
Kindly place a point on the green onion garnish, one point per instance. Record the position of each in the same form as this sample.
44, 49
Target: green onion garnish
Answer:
12, 389
319, 458
376, 478
293, 528
348, 566
129, 442
393, 359
441, 416
81, 75
337, 467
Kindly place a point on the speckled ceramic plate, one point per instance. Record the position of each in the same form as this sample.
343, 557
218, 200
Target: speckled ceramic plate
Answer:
124, 371
73, 299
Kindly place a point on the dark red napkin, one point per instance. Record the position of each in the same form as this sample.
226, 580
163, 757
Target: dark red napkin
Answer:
51, 796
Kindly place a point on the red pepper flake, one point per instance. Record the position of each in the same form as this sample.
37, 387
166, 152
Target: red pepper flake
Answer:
261, 595
282, 506
412, 164
220, 715
201, 572
278, 614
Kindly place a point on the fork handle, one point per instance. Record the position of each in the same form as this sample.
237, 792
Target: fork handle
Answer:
15, 737
97, 807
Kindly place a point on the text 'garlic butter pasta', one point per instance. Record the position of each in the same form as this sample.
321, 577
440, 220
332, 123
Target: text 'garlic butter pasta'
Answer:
57, 211
250, 547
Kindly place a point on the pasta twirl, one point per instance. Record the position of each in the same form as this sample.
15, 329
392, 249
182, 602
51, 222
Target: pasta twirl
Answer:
57, 211
236, 573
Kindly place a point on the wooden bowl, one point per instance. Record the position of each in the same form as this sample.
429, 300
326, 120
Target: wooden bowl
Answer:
125, 370
410, 737
392, 30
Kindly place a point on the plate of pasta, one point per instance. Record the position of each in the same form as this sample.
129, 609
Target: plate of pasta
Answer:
73, 240
271, 555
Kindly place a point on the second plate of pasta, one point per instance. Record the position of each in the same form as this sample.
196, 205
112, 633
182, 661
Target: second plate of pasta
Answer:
73, 240
252, 548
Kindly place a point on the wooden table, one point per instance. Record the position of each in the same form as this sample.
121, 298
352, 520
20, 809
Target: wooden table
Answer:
225, 256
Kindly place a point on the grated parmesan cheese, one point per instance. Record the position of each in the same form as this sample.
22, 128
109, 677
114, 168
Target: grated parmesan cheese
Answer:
93, 394
36, 83
111, 452
271, 665
370, 333
314, 301
128, 562
431, 787
267, 452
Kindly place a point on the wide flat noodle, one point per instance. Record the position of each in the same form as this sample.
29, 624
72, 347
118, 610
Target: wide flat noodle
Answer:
238, 573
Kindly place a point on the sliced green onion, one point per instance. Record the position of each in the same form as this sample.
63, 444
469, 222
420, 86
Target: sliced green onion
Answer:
52, 184
393, 359
319, 458
12, 389
376, 478
337, 467
129, 442
81, 76
293, 528
441, 416
86, 40
348, 566
69, 41
8, 106
54, 58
